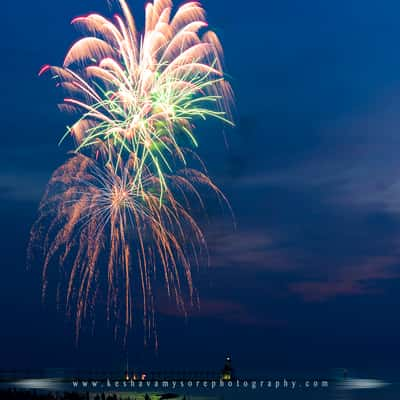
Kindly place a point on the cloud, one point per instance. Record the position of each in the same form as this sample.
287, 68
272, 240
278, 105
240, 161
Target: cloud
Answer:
356, 162
223, 310
249, 248
350, 280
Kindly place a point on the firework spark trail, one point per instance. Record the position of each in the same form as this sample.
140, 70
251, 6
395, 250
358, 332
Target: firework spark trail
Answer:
120, 208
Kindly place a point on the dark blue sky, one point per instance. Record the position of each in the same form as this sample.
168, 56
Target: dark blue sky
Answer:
310, 278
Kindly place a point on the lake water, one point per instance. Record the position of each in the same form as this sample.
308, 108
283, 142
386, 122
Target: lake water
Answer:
305, 386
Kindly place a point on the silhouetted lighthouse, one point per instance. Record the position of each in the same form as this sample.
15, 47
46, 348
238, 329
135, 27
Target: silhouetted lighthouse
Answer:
227, 372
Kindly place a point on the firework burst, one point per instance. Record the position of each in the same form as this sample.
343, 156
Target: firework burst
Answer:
97, 216
120, 210
141, 94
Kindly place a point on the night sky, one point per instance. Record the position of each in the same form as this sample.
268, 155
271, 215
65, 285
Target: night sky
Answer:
310, 278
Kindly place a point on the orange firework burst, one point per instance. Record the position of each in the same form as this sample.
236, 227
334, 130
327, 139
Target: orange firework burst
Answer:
99, 222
